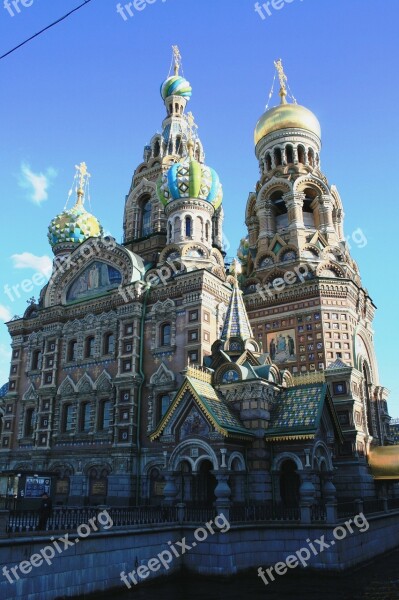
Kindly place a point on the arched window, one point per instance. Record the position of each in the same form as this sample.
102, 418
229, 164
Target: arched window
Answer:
67, 423
311, 157
157, 149
178, 144
308, 213
189, 227
170, 148
36, 360
278, 159
166, 332
85, 417
163, 405
289, 154
109, 343
72, 349
29, 421
170, 231
89, 347
207, 231
301, 155
279, 210
146, 217
268, 162
105, 415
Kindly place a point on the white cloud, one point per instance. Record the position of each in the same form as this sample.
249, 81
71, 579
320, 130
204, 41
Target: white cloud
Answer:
36, 184
5, 314
26, 260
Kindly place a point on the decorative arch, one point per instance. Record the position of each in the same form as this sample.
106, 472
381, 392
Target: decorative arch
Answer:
239, 457
162, 376
67, 387
103, 383
178, 455
325, 455
85, 384
283, 456
310, 181
276, 184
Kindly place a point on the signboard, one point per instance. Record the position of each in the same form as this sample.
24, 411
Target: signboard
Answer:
35, 487
62, 487
99, 487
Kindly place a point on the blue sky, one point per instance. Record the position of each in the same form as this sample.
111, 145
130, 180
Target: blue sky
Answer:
88, 89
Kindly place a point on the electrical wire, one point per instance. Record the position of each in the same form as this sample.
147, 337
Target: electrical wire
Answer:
45, 29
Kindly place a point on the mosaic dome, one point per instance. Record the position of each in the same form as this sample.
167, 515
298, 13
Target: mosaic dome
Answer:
73, 226
176, 86
190, 179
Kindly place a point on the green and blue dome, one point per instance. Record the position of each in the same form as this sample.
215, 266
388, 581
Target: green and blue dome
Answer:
243, 250
176, 86
190, 179
73, 226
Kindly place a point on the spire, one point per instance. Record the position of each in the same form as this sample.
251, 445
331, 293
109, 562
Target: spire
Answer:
236, 323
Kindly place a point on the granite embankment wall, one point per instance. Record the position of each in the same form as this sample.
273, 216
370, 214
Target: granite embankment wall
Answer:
94, 564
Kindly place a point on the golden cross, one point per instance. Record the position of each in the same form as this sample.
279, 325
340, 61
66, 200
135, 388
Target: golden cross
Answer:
83, 174
281, 75
177, 57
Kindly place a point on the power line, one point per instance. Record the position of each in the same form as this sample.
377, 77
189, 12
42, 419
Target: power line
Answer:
45, 29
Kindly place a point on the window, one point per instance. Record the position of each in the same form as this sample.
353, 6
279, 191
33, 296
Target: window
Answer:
188, 226
14, 369
193, 356
124, 395
166, 334
67, 423
127, 365
207, 231
146, 218
164, 402
89, 347
36, 360
29, 421
15, 354
72, 349
105, 415
49, 362
48, 378
193, 335
193, 315
206, 336
127, 346
51, 346
109, 343
85, 417
128, 328
207, 317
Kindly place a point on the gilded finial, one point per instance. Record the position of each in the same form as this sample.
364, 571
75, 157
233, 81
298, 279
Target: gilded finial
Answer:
177, 59
83, 176
283, 80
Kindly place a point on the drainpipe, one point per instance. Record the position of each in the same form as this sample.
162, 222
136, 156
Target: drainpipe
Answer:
139, 396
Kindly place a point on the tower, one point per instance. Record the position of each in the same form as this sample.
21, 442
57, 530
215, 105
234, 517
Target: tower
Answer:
303, 291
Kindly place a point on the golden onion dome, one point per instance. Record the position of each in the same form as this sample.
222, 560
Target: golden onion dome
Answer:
287, 116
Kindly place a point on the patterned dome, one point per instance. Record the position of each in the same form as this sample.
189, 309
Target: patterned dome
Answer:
243, 251
190, 179
176, 86
73, 226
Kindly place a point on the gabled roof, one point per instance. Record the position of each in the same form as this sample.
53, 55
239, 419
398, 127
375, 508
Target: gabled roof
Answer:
220, 415
297, 413
337, 364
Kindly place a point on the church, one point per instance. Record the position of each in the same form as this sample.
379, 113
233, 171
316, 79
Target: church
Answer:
151, 372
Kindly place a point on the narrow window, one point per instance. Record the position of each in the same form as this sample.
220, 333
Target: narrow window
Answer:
165, 334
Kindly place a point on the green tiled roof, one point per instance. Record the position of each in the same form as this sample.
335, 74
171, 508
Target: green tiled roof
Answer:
217, 411
220, 411
298, 411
